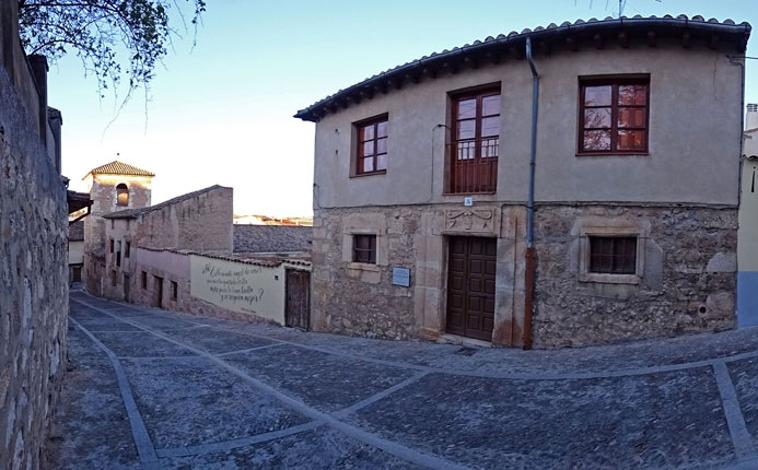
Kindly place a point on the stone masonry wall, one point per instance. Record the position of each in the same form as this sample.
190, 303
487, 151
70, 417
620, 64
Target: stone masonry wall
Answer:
688, 284
361, 300
686, 281
34, 278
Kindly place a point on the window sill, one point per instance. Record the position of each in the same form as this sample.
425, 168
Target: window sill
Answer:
465, 194
373, 173
613, 154
364, 266
603, 278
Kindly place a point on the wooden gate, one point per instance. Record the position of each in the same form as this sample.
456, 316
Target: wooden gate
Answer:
297, 306
471, 287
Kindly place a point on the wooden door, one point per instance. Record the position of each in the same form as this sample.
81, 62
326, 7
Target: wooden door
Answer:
297, 308
158, 300
127, 285
471, 287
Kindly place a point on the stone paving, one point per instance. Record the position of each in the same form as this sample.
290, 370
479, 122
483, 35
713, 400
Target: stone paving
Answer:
153, 389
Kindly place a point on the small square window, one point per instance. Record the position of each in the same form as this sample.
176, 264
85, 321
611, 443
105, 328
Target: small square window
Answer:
613, 255
174, 290
364, 249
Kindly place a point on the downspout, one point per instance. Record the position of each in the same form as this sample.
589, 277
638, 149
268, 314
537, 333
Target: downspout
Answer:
531, 258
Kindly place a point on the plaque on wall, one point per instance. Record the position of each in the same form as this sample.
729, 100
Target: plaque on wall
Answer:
401, 277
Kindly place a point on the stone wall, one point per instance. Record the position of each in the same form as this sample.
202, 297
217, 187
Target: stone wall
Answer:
202, 222
686, 280
33, 269
356, 299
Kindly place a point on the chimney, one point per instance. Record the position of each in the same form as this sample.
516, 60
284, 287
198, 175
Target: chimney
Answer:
751, 118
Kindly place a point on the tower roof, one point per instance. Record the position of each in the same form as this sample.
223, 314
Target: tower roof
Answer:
119, 168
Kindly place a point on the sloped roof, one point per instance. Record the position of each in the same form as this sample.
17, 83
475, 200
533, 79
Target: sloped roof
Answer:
133, 213
119, 168
271, 238
726, 35
76, 231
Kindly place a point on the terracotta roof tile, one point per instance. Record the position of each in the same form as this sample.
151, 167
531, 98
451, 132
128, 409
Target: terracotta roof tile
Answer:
119, 168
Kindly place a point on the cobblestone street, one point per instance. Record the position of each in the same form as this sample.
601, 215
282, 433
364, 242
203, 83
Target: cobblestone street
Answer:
154, 389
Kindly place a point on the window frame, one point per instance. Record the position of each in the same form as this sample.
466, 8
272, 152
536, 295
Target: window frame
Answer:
357, 155
357, 253
611, 228
615, 254
479, 93
614, 81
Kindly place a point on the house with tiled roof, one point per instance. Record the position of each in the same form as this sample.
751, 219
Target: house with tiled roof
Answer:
114, 186
566, 185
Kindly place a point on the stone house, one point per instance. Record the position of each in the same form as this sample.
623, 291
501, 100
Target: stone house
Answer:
197, 221
423, 225
115, 185
747, 247
33, 266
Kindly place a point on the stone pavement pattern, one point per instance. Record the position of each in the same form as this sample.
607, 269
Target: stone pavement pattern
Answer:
154, 389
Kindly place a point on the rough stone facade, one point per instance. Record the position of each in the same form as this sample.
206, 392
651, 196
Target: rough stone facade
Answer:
33, 260
103, 195
686, 282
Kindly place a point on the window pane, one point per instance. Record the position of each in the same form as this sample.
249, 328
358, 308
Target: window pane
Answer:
597, 95
368, 148
632, 117
631, 140
381, 129
632, 94
597, 140
381, 162
466, 150
490, 105
490, 147
368, 132
466, 129
490, 126
381, 146
368, 164
467, 108
597, 118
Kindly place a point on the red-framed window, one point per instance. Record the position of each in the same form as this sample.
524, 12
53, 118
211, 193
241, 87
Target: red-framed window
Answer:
614, 116
372, 146
364, 249
613, 255
475, 141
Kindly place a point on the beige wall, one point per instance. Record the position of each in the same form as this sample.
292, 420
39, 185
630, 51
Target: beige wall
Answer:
240, 287
695, 95
747, 247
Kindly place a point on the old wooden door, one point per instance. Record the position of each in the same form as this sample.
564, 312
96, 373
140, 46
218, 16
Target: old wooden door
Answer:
471, 287
127, 286
297, 308
158, 299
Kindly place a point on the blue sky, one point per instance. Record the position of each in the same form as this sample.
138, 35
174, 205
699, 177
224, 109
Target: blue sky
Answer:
221, 112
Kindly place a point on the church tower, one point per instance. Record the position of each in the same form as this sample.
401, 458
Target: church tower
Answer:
114, 186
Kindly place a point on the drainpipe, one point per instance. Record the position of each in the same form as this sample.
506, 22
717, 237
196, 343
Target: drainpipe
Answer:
531, 257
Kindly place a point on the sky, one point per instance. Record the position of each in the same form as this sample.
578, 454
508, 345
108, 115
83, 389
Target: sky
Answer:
221, 112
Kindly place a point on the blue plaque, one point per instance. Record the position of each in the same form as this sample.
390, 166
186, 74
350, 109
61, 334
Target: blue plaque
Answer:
401, 277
